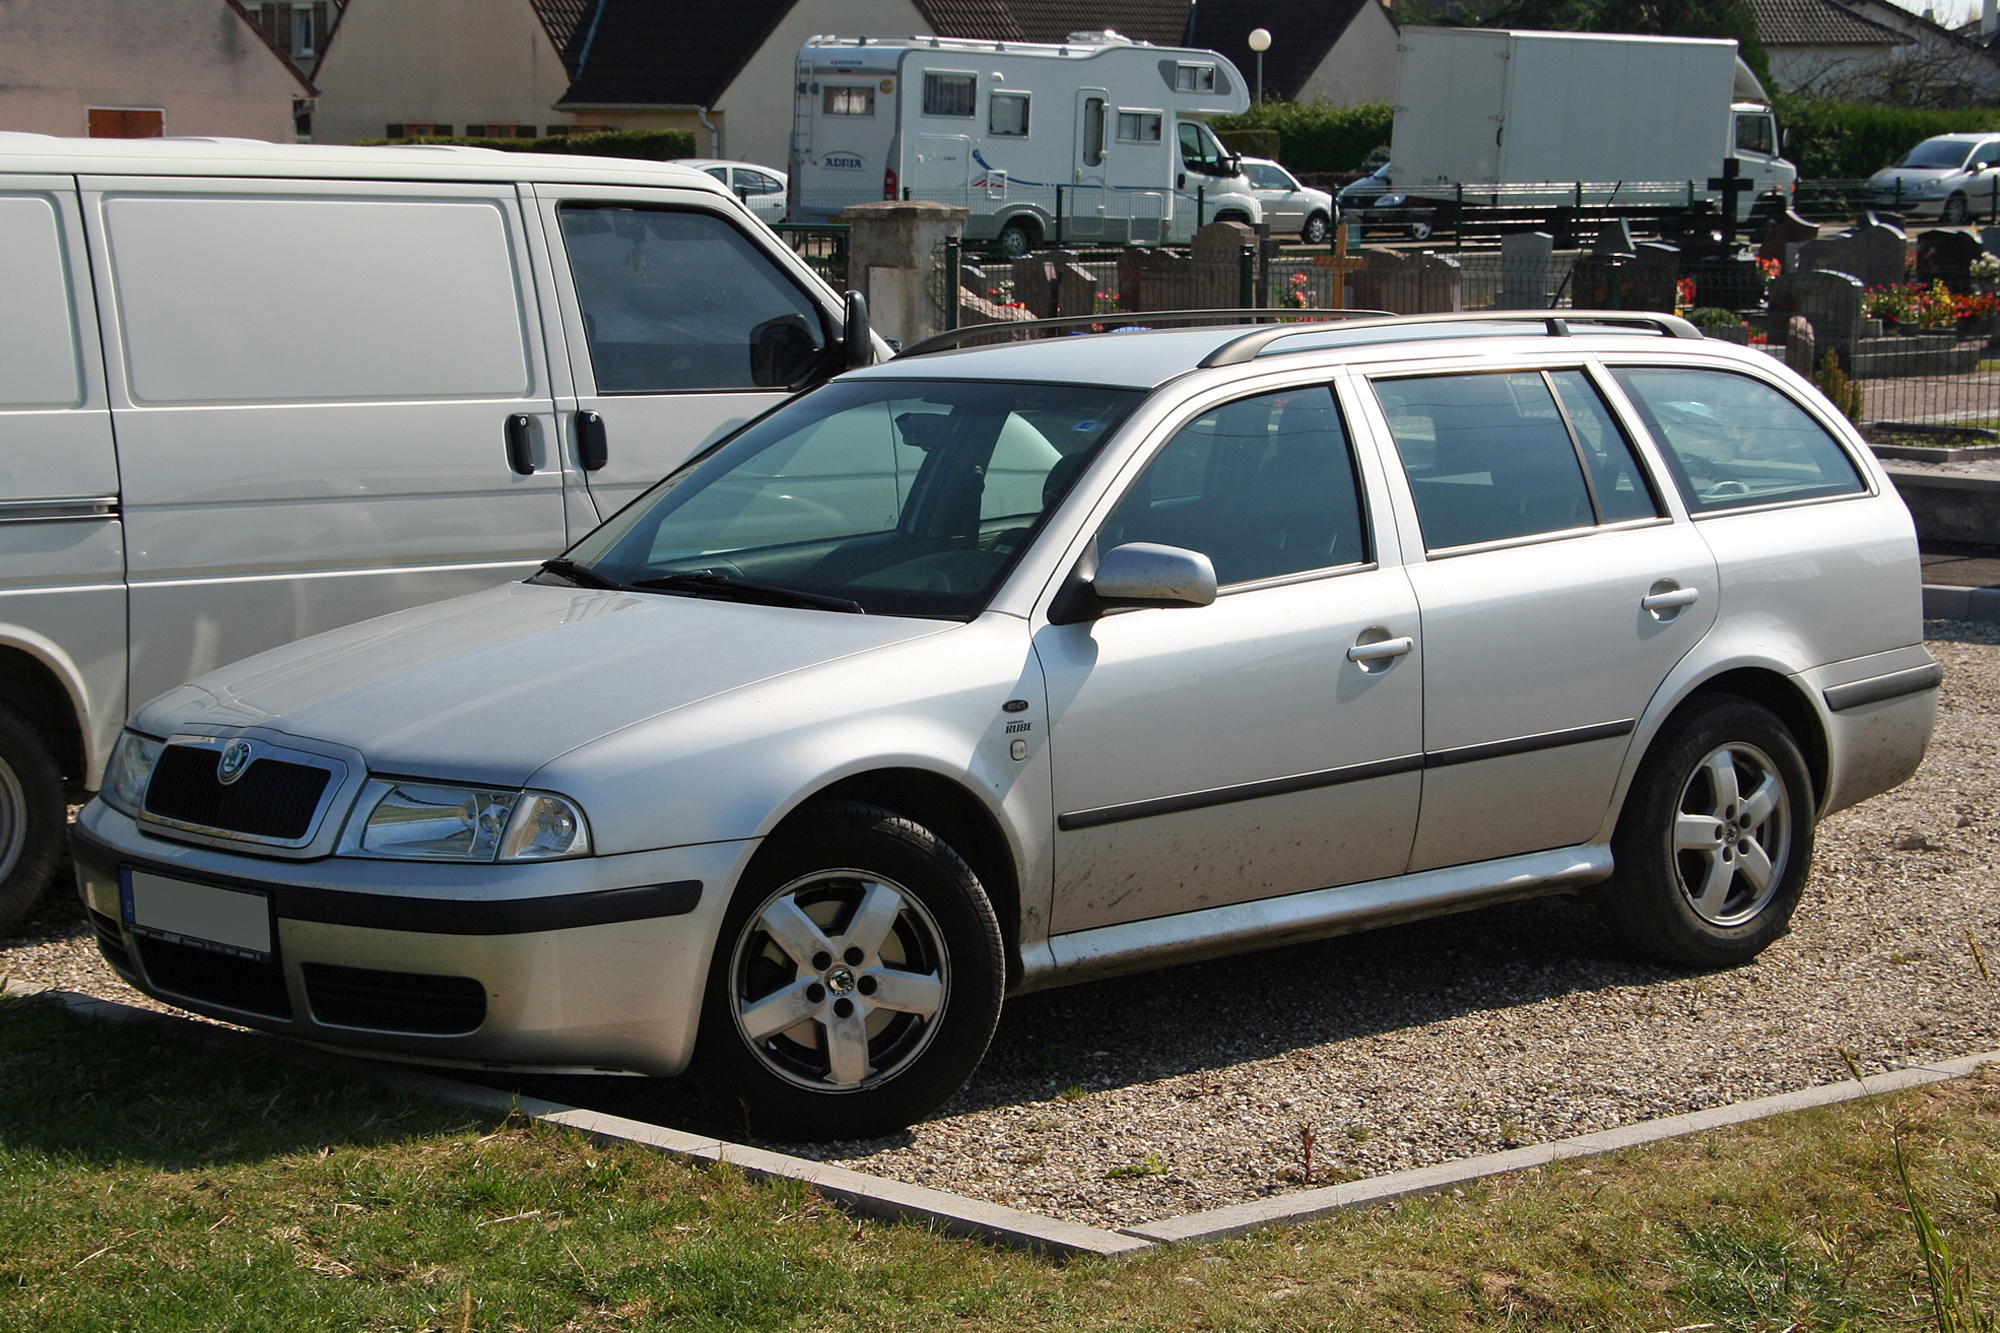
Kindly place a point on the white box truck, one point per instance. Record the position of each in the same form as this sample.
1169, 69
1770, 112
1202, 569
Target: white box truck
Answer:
1098, 140
1500, 112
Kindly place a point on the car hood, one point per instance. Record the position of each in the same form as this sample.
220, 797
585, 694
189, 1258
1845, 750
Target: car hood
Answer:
490, 687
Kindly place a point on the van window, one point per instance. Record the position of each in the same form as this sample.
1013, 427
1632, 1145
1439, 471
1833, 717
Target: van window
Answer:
1755, 135
676, 301
951, 95
1732, 441
38, 366
1007, 115
848, 100
1263, 487
241, 298
1139, 126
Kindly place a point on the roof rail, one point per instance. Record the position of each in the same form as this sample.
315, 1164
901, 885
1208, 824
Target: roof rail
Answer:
1238, 350
1120, 320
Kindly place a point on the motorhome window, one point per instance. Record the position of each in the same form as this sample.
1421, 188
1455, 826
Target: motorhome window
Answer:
1194, 78
1139, 126
849, 100
1093, 131
951, 95
1007, 115
680, 301
1754, 135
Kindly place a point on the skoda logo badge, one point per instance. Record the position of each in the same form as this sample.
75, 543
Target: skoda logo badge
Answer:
235, 758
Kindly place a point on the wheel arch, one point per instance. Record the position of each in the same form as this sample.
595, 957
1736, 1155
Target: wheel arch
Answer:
1783, 697
38, 680
948, 809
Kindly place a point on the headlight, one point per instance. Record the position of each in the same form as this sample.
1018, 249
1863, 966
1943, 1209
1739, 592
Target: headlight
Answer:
420, 821
129, 771
1390, 201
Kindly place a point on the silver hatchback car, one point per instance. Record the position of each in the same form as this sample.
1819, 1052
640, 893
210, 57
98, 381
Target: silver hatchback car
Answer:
998, 668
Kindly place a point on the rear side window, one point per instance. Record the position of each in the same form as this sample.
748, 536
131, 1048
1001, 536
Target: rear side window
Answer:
1494, 457
680, 301
38, 366
1732, 441
954, 95
1263, 487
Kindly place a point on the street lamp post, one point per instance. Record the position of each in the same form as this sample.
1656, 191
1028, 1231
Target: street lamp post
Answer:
1260, 42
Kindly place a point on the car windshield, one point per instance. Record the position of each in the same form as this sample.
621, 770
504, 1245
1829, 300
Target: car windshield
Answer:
1266, 177
1937, 153
895, 497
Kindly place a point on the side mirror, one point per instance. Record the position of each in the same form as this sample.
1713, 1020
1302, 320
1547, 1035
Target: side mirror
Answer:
858, 346
1148, 574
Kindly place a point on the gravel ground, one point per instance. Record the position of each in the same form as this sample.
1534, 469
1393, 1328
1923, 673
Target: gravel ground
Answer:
1145, 1097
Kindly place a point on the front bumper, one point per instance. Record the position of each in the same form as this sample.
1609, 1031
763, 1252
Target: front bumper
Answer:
590, 965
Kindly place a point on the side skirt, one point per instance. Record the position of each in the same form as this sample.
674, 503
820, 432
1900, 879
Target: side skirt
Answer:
1215, 932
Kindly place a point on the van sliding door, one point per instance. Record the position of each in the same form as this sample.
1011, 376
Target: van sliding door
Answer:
312, 389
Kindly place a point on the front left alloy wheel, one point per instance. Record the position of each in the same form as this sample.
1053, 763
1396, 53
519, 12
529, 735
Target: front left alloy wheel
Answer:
857, 980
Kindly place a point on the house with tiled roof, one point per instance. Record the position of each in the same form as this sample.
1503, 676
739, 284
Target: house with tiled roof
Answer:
1870, 50
1339, 51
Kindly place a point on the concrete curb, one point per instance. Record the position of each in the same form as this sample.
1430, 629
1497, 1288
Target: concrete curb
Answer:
1947, 603
952, 1214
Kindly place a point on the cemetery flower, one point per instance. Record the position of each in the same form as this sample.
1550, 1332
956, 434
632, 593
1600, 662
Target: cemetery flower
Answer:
1986, 268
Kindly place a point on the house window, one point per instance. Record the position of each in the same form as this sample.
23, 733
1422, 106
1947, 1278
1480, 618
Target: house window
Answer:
1007, 115
308, 29
1138, 127
125, 123
848, 100
419, 129
1194, 78
951, 95
494, 130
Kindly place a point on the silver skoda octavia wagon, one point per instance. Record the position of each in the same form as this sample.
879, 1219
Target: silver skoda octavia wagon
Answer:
991, 669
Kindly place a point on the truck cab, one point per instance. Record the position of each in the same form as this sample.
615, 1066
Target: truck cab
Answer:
1755, 144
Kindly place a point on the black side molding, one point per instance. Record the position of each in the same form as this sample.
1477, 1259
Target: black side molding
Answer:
1911, 680
1247, 791
1546, 740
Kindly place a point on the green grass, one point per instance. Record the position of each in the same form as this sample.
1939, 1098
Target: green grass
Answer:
144, 1185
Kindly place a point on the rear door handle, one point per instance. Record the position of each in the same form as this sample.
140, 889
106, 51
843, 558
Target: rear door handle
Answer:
1376, 652
1667, 601
592, 451
521, 443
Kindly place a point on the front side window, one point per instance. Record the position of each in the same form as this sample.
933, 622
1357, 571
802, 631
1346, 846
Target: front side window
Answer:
1267, 177
1201, 150
1755, 135
1493, 457
1139, 126
1732, 441
907, 497
1263, 487
848, 100
677, 301
951, 95
1007, 115
757, 182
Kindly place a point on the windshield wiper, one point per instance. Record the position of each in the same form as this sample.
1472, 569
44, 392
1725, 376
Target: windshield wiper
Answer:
581, 575
707, 581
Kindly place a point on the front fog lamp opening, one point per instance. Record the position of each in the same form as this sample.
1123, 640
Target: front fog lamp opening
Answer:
130, 771
545, 828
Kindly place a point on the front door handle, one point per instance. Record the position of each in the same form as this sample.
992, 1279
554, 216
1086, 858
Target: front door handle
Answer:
1377, 652
521, 443
591, 450
1671, 600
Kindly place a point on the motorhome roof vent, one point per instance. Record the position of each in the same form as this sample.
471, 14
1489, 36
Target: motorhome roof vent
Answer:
1104, 37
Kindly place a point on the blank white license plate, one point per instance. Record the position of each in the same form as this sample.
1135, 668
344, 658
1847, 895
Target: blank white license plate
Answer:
231, 920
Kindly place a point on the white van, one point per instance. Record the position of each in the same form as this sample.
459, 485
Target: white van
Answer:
249, 392
1099, 140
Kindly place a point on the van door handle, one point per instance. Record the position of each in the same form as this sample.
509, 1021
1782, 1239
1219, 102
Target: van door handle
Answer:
1376, 652
520, 443
591, 450
1667, 601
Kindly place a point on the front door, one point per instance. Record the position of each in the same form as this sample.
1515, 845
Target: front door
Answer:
680, 326
1218, 754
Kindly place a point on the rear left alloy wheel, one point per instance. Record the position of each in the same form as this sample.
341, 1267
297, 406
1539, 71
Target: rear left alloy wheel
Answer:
857, 980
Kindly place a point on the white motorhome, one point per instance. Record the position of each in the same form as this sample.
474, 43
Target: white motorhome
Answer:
1098, 140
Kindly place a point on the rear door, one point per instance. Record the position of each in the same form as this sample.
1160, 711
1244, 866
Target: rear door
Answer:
679, 324
312, 384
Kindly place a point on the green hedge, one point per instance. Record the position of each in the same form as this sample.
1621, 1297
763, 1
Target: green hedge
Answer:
1251, 143
1317, 136
1848, 141
650, 145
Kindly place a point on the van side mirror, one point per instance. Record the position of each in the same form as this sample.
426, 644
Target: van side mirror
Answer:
1148, 574
856, 344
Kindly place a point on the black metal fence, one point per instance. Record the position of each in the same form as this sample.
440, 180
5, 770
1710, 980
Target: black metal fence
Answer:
822, 245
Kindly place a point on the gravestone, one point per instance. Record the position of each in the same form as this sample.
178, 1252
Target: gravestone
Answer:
974, 279
1789, 229
1872, 251
1649, 278
1076, 290
1946, 256
1154, 280
1527, 263
1035, 285
1407, 284
1799, 346
1989, 237
1729, 282
1132, 278
1613, 238
1831, 304
1217, 255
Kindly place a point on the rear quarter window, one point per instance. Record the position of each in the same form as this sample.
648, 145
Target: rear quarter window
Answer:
1731, 441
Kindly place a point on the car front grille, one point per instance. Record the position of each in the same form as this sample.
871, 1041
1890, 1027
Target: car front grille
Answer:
360, 997
216, 978
274, 799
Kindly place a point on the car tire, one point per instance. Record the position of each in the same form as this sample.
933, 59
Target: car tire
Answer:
1954, 212
32, 816
1318, 227
1715, 841
1016, 239
849, 905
